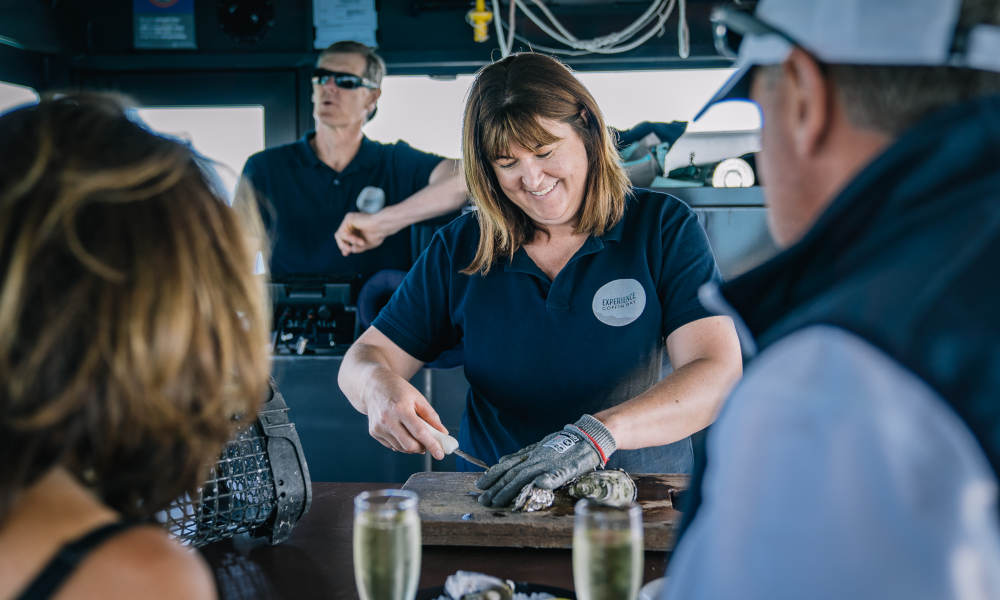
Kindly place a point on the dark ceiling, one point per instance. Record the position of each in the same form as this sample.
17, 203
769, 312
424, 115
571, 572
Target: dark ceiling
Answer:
414, 36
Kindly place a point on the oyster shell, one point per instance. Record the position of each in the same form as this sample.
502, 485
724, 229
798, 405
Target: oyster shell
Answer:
613, 487
469, 585
532, 498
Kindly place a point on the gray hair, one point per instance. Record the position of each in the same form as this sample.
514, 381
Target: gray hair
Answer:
892, 98
374, 65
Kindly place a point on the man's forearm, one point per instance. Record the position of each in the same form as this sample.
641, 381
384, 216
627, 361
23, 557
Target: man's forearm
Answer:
445, 193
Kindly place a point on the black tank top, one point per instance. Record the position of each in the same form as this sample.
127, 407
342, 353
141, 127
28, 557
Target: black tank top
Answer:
62, 565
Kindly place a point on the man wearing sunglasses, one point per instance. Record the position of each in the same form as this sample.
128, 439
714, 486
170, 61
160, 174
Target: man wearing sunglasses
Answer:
341, 204
858, 457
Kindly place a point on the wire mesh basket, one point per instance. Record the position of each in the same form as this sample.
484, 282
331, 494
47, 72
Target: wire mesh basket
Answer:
259, 486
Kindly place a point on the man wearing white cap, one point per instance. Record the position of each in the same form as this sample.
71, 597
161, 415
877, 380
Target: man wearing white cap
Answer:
858, 457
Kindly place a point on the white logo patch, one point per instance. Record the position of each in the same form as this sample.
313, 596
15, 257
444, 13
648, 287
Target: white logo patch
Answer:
561, 443
619, 302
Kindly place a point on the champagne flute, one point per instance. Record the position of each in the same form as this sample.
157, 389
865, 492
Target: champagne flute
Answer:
386, 545
607, 551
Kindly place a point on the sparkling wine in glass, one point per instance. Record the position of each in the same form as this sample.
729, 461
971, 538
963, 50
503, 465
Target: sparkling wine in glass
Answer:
386, 545
607, 551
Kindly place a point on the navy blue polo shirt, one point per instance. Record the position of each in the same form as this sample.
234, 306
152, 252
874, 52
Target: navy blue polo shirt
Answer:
540, 353
308, 200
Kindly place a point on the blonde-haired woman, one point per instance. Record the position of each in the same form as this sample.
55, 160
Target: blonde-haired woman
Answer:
564, 289
133, 335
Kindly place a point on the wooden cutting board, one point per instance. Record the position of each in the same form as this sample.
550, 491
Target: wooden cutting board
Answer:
451, 516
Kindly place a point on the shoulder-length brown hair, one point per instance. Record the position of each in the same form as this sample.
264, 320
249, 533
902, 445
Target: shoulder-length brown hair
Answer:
133, 332
504, 105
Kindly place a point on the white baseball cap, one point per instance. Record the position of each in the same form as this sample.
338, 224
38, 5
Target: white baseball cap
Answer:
857, 32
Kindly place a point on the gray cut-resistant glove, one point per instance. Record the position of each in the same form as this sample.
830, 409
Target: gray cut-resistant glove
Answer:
558, 458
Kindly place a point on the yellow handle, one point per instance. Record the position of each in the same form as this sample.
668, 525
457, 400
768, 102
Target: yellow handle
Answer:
479, 18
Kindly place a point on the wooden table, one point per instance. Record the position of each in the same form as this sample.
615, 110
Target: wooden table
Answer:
316, 562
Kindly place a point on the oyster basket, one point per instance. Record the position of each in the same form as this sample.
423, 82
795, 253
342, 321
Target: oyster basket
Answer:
259, 486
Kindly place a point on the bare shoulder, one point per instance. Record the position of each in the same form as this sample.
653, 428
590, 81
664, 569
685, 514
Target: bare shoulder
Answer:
143, 562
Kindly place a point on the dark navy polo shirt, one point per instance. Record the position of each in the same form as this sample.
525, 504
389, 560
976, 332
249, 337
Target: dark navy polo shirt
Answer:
540, 353
308, 201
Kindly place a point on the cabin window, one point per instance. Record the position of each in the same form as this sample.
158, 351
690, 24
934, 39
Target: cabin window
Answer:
626, 97
226, 134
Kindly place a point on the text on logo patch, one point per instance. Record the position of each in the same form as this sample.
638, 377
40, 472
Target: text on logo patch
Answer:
561, 443
619, 302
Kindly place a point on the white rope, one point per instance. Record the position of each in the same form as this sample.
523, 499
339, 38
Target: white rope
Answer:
541, 25
504, 51
564, 52
654, 17
510, 27
683, 33
656, 29
645, 19
554, 20
596, 44
560, 51
613, 38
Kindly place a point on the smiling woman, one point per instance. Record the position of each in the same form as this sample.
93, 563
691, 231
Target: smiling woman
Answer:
563, 288
524, 138
548, 182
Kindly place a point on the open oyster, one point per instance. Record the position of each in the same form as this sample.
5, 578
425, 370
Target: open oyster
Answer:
532, 498
469, 585
613, 487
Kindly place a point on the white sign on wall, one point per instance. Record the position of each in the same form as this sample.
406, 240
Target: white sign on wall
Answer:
339, 20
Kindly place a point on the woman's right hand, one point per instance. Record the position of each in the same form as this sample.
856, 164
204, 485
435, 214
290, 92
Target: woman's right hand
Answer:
400, 418
374, 378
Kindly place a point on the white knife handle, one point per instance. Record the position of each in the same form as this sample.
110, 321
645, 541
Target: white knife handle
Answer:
448, 443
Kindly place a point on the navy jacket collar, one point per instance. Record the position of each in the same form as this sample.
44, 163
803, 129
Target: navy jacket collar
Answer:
924, 167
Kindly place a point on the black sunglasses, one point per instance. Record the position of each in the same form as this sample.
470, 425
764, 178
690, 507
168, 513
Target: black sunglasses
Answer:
731, 23
347, 81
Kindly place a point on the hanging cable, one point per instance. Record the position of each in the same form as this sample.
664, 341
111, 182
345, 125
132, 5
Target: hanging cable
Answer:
683, 33
532, 46
504, 51
656, 30
554, 20
601, 42
541, 25
658, 11
505, 48
510, 26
